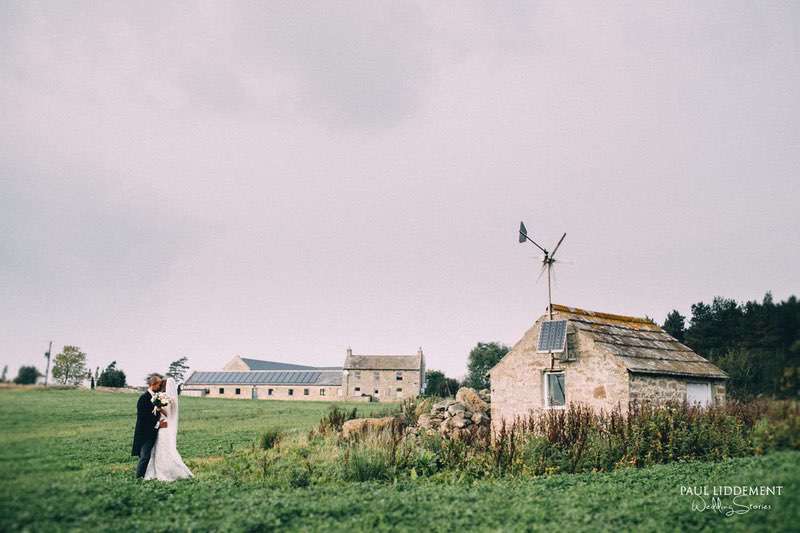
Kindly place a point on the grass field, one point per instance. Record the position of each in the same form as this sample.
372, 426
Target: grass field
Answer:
65, 465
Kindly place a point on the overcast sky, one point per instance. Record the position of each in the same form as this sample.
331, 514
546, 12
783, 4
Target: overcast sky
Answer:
281, 181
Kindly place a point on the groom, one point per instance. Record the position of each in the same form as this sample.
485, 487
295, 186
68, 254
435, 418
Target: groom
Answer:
147, 424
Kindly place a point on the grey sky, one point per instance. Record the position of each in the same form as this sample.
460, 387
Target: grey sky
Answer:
282, 181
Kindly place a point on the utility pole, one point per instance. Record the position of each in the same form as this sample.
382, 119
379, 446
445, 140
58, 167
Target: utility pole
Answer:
47, 355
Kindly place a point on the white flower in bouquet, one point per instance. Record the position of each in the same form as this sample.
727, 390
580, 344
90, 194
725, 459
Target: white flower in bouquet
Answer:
160, 400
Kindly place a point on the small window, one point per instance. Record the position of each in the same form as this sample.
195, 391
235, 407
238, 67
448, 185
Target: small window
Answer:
376, 392
269, 392
221, 390
238, 391
398, 376
291, 392
399, 389
322, 392
357, 389
306, 392
358, 374
376, 376
555, 390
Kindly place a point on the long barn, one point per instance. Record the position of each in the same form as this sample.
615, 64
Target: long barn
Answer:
372, 377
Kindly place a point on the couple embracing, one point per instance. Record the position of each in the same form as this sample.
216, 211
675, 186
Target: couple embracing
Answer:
155, 436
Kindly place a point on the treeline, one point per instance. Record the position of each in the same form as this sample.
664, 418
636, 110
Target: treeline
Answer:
70, 368
756, 343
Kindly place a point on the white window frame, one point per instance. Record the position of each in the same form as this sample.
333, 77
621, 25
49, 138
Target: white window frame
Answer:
546, 389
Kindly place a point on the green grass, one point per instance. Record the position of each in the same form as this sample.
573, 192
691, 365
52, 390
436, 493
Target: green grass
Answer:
65, 465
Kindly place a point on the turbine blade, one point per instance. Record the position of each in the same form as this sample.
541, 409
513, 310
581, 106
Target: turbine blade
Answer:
523, 232
557, 245
541, 271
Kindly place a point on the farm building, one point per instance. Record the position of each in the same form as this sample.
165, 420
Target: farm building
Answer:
601, 360
373, 377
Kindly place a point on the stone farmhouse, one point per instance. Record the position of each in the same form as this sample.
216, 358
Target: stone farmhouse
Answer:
606, 361
362, 377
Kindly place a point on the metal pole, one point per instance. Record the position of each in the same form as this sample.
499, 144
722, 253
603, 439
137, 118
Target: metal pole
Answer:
47, 370
549, 294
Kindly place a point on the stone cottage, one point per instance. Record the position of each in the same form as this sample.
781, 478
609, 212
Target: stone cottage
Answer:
367, 377
601, 360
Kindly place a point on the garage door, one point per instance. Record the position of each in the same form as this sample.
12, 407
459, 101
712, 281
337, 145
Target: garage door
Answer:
698, 394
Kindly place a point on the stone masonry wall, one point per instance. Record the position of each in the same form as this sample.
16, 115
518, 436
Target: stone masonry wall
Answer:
593, 378
385, 382
660, 389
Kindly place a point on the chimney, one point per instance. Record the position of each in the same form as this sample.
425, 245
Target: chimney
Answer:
349, 351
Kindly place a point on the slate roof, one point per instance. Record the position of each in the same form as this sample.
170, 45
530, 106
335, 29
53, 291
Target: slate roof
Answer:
383, 362
260, 364
643, 347
331, 377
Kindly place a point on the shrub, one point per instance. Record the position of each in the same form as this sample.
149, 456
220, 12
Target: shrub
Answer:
27, 375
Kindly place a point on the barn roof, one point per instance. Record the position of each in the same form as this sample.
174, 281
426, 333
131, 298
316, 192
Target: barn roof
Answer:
332, 377
642, 346
383, 362
260, 364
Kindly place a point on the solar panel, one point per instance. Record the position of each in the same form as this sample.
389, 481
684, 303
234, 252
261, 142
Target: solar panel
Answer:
552, 336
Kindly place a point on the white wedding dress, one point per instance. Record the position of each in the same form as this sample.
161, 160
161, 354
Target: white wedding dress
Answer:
165, 461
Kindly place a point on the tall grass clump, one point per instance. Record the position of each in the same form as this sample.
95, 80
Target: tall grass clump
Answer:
333, 421
269, 438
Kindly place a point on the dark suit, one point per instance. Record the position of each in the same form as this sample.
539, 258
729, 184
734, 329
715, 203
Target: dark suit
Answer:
144, 436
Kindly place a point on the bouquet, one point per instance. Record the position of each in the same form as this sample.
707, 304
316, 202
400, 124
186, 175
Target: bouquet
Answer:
160, 400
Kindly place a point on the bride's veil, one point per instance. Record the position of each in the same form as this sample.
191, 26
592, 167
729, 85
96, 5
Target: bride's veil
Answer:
172, 413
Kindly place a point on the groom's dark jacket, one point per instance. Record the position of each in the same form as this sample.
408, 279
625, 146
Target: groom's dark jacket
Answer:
145, 422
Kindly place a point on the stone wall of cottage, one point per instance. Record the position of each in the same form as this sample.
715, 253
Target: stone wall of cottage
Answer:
383, 385
592, 377
272, 392
661, 389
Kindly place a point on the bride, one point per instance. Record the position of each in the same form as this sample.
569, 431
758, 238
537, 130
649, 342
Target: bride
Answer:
165, 461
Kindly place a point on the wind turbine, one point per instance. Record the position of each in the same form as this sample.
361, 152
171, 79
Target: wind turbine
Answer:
547, 261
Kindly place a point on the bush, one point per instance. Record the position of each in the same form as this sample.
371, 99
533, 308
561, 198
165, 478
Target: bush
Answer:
112, 376
27, 375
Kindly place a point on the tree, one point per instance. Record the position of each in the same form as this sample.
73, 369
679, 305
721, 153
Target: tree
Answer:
437, 384
754, 342
4, 378
481, 359
675, 325
69, 367
27, 375
111, 377
177, 369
